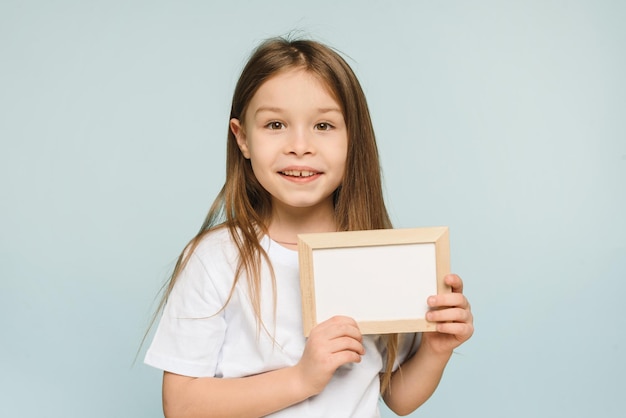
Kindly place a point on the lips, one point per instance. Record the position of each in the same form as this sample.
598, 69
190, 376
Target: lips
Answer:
299, 173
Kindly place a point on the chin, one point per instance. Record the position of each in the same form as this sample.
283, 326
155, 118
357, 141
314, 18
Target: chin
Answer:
305, 204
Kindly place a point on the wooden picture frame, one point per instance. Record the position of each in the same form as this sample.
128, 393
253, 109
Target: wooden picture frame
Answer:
381, 278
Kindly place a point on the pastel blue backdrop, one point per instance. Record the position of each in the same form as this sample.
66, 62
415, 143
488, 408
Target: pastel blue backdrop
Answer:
505, 120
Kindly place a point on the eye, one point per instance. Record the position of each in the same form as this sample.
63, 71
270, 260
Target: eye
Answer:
275, 125
324, 126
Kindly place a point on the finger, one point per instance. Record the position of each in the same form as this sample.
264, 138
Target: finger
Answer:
346, 344
450, 315
448, 300
337, 327
344, 357
462, 331
455, 282
341, 320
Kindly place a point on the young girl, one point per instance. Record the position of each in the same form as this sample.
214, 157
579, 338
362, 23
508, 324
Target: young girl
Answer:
301, 158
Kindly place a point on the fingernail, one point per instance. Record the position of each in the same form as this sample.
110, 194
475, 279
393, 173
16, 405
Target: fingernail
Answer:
431, 300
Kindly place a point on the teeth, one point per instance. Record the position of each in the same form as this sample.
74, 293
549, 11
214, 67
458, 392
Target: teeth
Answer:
298, 173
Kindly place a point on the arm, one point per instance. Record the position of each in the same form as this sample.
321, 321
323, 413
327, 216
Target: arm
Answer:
416, 380
252, 396
332, 343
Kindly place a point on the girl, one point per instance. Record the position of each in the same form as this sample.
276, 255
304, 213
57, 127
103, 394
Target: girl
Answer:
301, 158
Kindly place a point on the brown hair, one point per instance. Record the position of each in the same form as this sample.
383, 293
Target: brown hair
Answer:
244, 207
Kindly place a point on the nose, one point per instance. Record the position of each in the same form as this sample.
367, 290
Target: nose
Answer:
300, 142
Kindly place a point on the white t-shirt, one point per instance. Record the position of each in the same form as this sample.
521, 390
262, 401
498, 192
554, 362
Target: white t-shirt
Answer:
196, 338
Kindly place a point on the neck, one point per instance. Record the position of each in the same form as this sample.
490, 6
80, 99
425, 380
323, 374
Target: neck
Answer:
286, 225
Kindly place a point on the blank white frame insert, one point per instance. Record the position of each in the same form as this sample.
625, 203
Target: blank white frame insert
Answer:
381, 278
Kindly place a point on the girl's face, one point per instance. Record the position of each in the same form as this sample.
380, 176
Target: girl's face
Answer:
295, 136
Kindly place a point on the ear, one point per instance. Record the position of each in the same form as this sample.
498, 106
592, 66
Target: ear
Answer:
237, 130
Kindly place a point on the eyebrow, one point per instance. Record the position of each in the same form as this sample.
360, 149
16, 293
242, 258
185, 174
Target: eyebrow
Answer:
268, 109
279, 110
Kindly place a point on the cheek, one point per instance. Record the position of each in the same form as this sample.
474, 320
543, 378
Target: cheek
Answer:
262, 163
257, 168
259, 153
340, 168
342, 157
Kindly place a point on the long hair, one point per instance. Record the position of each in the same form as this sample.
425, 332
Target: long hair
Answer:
243, 206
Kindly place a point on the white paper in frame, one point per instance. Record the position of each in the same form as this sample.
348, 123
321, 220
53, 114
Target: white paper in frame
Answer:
381, 278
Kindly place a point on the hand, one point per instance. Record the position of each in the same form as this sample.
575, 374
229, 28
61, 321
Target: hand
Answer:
331, 344
453, 315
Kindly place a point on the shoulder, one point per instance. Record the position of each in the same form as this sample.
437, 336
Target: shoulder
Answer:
206, 277
217, 236
215, 245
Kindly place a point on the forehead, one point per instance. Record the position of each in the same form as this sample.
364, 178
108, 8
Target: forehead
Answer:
295, 89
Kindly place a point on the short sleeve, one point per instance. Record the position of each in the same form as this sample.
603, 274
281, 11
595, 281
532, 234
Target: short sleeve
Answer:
191, 331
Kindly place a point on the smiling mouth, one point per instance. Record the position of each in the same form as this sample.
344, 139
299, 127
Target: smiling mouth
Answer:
298, 173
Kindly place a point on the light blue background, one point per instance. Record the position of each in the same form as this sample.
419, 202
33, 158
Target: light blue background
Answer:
504, 120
